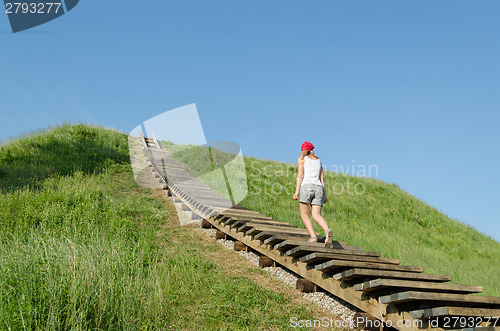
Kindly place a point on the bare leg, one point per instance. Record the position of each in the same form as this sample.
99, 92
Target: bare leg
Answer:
304, 213
316, 214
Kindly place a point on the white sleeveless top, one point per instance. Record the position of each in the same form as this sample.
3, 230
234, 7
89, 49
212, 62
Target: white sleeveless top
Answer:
312, 170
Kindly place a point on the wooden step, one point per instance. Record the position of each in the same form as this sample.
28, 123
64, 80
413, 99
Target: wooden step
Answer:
222, 219
361, 274
447, 298
290, 243
456, 311
245, 213
273, 238
253, 217
251, 225
240, 223
391, 284
230, 220
320, 243
306, 249
261, 221
333, 265
317, 257
260, 228
264, 235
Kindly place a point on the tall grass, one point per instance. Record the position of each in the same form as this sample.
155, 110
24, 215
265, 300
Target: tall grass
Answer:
381, 217
59, 151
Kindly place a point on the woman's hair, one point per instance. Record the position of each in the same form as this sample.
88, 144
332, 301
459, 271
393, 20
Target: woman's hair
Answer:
305, 153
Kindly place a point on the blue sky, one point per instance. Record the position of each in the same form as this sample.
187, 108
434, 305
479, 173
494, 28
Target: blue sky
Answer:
411, 86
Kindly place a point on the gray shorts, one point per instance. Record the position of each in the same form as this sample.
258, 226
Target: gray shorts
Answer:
311, 193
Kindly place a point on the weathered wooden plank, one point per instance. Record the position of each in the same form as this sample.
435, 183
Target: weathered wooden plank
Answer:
234, 223
226, 220
317, 257
333, 265
200, 188
203, 195
237, 216
278, 236
212, 198
461, 311
239, 207
207, 200
357, 273
261, 221
245, 213
246, 225
259, 228
407, 296
178, 198
320, 243
253, 228
305, 249
390, 284
254, 217
335, 245
290, 243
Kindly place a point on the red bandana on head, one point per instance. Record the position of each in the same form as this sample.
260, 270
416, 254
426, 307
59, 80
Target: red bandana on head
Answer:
307, 146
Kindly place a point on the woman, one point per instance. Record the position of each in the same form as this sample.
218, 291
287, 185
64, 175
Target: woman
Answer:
311, 185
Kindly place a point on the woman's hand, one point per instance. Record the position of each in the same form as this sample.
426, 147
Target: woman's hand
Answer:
325, 199
295, 196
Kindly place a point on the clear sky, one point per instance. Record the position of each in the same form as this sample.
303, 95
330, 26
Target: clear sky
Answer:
410, 86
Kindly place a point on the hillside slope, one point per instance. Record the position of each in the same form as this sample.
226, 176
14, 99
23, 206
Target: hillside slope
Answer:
381, 217
82, 247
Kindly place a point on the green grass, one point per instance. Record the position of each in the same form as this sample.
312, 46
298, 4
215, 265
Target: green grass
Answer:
59, 151
382, 218
82, 247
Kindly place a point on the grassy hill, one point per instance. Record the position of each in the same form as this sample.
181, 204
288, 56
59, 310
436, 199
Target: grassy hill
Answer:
82, 247
381, 217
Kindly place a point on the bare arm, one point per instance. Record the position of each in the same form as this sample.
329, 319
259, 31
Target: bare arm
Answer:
300, 176
322, 179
